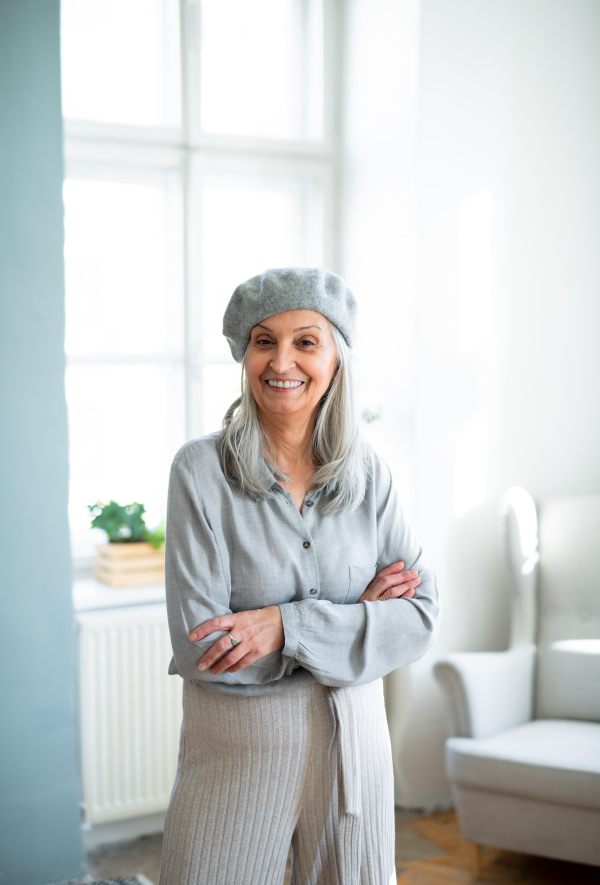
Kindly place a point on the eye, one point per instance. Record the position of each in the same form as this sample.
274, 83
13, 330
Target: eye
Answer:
307, 342
263, 341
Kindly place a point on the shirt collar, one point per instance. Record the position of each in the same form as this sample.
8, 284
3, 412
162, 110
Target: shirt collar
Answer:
267, 475
271, 481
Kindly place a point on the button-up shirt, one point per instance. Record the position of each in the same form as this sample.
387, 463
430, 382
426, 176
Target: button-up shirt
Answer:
227, 552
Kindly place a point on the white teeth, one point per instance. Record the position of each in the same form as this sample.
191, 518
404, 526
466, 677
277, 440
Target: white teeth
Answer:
286, 384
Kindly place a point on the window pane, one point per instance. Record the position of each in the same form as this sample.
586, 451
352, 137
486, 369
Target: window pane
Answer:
262, 68
123, 267
125, 425
120, 61
246, 230
220, 387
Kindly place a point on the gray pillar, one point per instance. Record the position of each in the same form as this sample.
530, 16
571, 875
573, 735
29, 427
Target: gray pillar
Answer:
40, 834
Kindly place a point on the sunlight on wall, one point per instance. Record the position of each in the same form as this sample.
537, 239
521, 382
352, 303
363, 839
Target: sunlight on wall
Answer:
470, 466
473, 328
474, 272
577, 646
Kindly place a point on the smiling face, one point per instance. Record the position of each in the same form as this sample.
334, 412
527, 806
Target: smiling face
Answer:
290, 361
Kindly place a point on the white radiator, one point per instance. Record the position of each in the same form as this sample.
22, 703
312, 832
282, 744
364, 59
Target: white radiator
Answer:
130, 712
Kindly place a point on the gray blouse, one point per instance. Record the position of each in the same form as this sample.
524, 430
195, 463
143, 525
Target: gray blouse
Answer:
227, 552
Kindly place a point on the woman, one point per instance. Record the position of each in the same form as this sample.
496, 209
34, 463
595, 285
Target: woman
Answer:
276, 527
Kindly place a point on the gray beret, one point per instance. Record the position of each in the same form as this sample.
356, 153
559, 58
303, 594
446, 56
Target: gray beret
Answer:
287, 288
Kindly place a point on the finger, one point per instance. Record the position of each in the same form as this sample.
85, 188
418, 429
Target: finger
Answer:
382, 580
229, 659
408, 594
393, 588
396, 580
401, 589
392, 569
223, 622
220, 647
245, 661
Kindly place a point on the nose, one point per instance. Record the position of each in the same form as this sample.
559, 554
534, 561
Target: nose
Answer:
283, 359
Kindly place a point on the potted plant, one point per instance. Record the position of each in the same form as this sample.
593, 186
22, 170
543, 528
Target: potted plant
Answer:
134, 554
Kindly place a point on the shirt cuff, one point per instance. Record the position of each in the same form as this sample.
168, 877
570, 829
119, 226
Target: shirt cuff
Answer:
289, 617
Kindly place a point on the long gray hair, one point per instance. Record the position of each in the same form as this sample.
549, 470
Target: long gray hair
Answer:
336, 445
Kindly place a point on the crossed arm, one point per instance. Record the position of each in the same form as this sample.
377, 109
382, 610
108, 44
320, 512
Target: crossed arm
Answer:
339, 644
258, 632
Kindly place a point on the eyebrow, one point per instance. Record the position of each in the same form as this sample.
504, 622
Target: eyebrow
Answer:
299, 329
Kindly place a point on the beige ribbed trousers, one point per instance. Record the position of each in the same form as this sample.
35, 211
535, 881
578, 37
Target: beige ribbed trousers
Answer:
310, 768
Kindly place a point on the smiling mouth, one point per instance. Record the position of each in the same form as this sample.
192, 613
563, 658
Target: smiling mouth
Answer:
283, 385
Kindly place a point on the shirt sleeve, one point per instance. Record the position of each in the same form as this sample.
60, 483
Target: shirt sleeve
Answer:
344, 645
199, 588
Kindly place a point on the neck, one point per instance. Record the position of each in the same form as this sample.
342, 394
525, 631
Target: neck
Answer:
290, 441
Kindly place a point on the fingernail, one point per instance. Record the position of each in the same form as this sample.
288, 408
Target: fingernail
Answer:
194, 637
202, 666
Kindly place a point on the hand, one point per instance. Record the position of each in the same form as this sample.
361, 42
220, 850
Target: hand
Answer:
257, 633
392, 583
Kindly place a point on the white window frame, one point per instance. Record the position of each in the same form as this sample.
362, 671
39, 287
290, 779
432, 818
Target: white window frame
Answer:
94, 149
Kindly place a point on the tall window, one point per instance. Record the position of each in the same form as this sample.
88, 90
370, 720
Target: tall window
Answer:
200, 148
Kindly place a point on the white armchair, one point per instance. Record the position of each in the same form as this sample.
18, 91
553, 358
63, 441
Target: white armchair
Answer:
523, 758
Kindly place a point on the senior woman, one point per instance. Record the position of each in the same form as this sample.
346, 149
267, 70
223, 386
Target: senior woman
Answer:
294, 583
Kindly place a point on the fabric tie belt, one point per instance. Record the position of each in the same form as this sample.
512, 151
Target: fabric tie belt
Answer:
348, 832
348, 748
350, 704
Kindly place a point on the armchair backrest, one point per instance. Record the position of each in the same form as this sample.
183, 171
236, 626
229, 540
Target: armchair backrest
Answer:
568, 672
553, 554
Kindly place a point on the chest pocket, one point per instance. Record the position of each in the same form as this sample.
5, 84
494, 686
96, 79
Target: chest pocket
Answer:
359, 579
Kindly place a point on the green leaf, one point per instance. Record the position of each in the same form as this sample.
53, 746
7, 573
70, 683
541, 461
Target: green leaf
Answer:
157, 537
121, 523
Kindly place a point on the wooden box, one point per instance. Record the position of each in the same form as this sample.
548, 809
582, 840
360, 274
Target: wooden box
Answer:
126, 565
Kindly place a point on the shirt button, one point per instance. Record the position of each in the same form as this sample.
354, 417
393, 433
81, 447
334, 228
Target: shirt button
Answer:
313, 591
308, 503
306, 545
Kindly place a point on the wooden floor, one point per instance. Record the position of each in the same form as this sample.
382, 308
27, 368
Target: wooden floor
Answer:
429, 851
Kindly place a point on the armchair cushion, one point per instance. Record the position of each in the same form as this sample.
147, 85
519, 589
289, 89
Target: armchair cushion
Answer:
547, 759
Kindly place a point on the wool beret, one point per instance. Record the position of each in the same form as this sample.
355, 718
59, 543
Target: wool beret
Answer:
287, 288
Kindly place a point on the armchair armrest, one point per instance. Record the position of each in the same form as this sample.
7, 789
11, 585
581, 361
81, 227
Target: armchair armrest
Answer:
487, 692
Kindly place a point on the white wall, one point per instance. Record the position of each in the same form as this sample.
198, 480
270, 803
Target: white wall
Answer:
510, 93
504, 319
547, 415
378, 211
378, 239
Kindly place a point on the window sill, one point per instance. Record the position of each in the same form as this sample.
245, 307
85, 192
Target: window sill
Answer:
91, 595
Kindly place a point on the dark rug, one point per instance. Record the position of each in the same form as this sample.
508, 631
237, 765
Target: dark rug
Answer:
131, 880
135, 880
